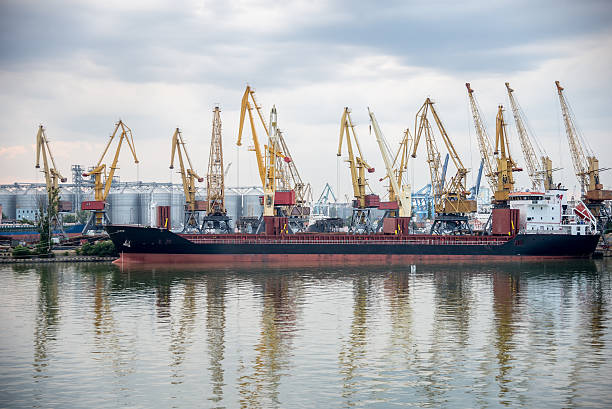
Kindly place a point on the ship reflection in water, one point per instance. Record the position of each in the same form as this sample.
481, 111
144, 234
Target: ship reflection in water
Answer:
531, 334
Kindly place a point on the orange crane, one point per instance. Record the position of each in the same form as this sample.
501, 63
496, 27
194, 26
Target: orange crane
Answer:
586, 166
360, 219
188, 176
450, 199
216, 219
103, 181
52, 179
540, 171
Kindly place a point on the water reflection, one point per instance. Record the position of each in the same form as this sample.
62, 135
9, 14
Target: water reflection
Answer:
182, 328
353, 350
277, 329
506, 298
47, 317
108, 339
215, 324
480, 335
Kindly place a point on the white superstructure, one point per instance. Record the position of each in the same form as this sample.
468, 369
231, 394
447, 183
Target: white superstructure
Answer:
550, 212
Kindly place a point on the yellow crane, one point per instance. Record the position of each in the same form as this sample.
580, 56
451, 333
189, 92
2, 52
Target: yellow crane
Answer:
540, 171
103, 181
246, 106
52, 177
360, 220
188, 177
398, 191
505, 164
586, 166
484, 142
277, 170
450, 199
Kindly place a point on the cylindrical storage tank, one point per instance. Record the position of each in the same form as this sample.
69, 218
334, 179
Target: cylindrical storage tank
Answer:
124, 207
177, 211
251, 206
233, 205
31, 200
67, 195
8, 200
149, 203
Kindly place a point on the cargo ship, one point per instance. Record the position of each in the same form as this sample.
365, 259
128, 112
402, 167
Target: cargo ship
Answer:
536, 225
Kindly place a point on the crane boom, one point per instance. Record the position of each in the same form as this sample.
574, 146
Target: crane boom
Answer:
484, 142
540, 171
586, 166
247, 106
215, 178
505, 164
452, 198
52, 175
102, 188
357, 164
188, 177
402, 192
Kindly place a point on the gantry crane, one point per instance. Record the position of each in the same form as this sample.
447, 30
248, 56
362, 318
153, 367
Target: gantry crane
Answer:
193, 207
540, 170
484, 142
216, 219
52, 179
360, 219
399, 191
102, 187
586, 166
450, 200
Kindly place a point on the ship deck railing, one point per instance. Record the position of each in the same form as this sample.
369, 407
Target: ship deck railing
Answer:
355, 240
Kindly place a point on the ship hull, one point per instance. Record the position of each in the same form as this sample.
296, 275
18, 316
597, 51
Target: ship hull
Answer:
152, 245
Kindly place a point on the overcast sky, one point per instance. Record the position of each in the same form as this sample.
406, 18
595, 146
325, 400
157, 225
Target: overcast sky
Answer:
77, 67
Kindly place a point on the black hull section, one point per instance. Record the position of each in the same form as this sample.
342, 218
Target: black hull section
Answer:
142, 240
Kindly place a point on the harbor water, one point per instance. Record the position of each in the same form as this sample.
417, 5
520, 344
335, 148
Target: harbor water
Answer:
516, 334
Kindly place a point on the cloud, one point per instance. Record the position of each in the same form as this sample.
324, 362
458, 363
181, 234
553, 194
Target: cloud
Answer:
78, 67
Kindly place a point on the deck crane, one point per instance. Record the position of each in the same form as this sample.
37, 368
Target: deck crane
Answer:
216, 219
52, 179
586, 166
401, 191
188, 176
360, 219
450, 202
540, 171
102, 187
484, 142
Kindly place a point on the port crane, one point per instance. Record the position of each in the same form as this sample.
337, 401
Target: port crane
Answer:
451, 203
52, 179
193, 207
103, 180
586, 165
399, 192
540, 171
498, 164
360, 219
484, 142
295, 205
216, 219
